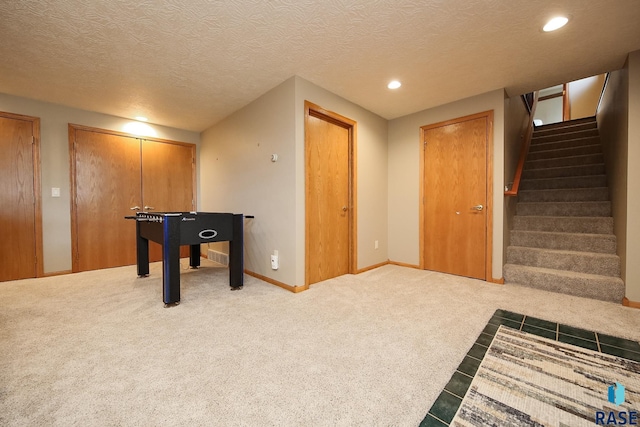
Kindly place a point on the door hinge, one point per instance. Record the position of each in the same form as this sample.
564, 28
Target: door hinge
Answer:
33, 140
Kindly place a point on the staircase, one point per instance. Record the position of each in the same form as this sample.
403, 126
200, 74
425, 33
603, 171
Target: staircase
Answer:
562, 238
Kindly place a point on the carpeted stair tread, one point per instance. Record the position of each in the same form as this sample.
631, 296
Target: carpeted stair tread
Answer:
560, 145
564, 224
567, 124
586, 181
577, 261
588, 159
563, 172
560, 151
538, 138
563, 127
562, 234
586, 242
565, 195
580, 284
580, 209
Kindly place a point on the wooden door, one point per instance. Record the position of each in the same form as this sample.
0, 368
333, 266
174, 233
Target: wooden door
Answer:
455, 196
106, 183
20, 217
168, 172
329, 209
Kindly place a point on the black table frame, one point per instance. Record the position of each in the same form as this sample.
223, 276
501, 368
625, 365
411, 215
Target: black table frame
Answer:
166, 229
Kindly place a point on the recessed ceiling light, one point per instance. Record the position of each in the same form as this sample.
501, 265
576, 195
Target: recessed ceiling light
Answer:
141, 119
555, 23
394, 84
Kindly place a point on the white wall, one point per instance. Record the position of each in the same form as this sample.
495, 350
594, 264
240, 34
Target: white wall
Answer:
55, 171
404, 176
549, 111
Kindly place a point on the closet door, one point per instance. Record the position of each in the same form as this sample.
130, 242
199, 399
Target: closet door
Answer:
168, 182
20, 215
106, 183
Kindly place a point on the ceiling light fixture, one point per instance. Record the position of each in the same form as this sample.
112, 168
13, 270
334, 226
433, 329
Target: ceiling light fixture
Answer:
555, 23
394, 84
140, 129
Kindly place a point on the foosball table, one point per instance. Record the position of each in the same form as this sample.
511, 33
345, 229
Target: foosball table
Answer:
175, 229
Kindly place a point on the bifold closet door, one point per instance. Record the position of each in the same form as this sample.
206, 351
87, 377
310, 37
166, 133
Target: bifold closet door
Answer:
168, 174
107, 183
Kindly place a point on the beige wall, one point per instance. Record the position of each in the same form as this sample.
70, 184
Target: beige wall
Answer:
236, 153
584, 95
633, 181
371, 167
613, 124
515, 129
54, 155
404, 176
621, 140
237, 175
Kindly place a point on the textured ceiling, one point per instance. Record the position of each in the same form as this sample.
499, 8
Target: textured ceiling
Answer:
190, 63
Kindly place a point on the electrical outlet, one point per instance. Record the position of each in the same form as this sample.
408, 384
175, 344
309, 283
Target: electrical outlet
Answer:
275, 261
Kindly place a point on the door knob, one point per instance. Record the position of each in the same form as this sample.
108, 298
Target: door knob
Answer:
135, 208
477, 207
344, 209
148, 208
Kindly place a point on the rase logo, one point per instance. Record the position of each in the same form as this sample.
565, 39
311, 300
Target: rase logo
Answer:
615, 395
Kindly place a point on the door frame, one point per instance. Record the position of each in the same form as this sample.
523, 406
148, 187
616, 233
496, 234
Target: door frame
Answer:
311, 109
37, 187
72, 172
489, 206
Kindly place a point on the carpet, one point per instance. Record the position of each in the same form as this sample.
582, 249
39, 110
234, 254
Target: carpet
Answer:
532, 372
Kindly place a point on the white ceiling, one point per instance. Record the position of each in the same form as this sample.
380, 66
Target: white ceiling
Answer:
190, 63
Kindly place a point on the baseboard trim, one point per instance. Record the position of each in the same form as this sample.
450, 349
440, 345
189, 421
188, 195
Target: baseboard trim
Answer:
297, 289
499, 281
628, 303
371, 267
56, 273
402, 264
294, 289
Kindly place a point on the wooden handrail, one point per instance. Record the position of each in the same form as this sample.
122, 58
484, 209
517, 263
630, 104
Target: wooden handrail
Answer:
524, 150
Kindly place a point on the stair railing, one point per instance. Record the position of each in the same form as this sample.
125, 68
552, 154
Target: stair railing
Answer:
513, 191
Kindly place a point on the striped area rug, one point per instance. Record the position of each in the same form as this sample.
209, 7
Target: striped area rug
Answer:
528, 380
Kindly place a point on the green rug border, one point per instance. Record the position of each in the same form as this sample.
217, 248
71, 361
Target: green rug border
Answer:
446, 405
